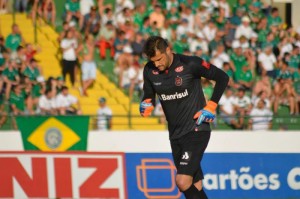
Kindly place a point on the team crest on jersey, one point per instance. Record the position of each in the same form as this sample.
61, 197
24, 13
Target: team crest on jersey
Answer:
178, 81
205, 64
179, 69
155, 72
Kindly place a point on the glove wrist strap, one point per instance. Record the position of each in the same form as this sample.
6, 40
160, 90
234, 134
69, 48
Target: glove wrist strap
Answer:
211, 105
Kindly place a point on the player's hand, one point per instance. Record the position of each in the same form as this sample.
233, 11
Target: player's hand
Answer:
146, 108
207, 114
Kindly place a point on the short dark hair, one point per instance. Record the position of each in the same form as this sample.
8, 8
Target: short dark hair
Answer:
153, 44
48, 91
274, 9
64, 88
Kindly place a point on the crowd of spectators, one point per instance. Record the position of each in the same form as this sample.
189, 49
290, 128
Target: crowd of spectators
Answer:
249, 41
23, 88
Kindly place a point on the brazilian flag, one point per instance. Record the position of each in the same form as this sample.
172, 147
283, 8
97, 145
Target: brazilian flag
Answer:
59, 133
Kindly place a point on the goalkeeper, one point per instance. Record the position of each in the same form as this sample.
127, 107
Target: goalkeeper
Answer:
175, 79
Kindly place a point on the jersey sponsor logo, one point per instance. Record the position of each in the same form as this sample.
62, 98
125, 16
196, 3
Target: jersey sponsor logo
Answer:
179, 69
205, 64
157, 83
178, 81
174, 96
155, 72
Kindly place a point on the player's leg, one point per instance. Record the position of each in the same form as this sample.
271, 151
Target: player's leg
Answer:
189, 174
183, 182
199, 186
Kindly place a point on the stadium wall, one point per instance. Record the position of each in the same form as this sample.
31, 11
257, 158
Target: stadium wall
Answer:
138, 165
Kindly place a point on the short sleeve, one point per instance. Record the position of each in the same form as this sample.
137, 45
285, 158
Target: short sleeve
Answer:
260, 57
72, 99
132, 73
64, 44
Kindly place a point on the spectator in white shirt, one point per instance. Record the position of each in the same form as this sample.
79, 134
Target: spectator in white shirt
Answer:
210, 31
225, 5
121, 4
267, 61
227, 109
244, 29
198, 41
242, 104
67, 103
104, 115
183, 29
261, 117
85, 6
263, 95
123, 17
210, 5
219, 56
69, 58
188, 14
47, 104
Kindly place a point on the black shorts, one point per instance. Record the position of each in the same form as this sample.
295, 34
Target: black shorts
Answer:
188, 151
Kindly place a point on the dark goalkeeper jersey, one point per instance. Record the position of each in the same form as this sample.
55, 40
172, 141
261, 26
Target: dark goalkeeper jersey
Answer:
180, 92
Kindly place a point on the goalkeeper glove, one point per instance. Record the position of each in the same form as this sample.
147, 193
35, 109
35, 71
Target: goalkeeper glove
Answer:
146, 107
207, 114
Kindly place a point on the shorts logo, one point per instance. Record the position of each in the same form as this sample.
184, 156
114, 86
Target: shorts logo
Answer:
185, 156
205, 64
178, 81
179, 69
155, 72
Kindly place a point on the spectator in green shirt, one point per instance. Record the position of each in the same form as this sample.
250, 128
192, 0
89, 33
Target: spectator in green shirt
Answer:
17, 100
283, 89
73, 12
274, 18
173, 17
10, 77
32, 71
38, 90
218, 40
139, 15
227, 69
237, 58
294, 60
241, 4
14, 40
263, 30
145, 29
244, 78
181, 45
255, 14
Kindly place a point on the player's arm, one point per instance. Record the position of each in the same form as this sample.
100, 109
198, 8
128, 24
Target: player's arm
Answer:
201, 68
148, 101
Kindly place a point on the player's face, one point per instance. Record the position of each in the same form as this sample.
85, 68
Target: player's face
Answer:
162, 60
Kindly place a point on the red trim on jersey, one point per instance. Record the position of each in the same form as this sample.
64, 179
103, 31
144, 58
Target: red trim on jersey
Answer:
205, 64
